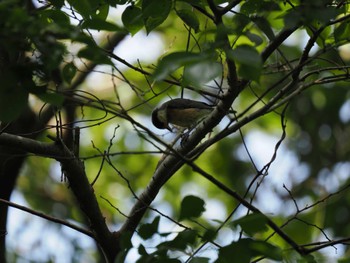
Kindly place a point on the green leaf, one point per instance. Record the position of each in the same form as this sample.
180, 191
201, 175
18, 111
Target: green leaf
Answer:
259, 6
51, 98
119, 2
248, 60
201, 73
292, 18
307, 259
238, 24
146, 231
323, 37
199, 3
264, 25
175, 60
256, 39
99, 24
83, 7
57, 16
121, 256
57, 3
191, 207
181, 241
154, 13
142, 251
102, 12
263, 248
132, 19
68, 72
344, 260
189, 17
245, 249
236, 252
199, 260
209, 234
125, 240
94, 54
322, 14
342, 32
252, 223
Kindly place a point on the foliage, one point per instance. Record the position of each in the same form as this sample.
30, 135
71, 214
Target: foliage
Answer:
264, 177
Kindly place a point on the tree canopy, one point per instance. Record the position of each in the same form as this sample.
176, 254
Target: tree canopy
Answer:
86, 177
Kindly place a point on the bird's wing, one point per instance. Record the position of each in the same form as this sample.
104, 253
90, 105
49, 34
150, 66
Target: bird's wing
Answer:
186, 103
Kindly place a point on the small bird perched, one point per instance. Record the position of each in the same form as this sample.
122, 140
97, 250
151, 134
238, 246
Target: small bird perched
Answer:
180, 112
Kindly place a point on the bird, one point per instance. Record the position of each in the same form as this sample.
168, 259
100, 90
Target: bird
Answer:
184, 113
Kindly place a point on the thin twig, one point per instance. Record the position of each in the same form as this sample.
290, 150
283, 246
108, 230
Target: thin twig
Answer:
49, 218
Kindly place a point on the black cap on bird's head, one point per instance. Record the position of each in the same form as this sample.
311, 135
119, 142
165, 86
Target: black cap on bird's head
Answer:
160, 118
180, 112
157, 122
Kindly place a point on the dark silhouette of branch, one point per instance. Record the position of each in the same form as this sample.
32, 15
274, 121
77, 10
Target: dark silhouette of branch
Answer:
78, 182
344, 241
47, 217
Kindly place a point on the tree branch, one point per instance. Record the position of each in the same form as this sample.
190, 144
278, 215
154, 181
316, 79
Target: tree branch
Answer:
50, 218
167, 168
78, 182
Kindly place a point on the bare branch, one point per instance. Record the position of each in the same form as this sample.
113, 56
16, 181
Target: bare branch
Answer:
47, 217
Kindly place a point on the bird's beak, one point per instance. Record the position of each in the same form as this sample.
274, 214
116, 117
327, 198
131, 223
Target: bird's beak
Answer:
168, 127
